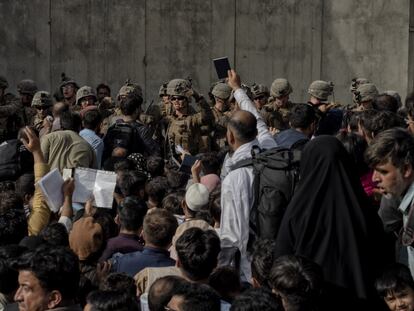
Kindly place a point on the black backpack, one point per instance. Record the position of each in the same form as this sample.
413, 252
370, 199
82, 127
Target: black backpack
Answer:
276, 174
10, 167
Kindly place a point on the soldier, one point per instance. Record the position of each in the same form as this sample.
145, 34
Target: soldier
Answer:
102, 91
42, 102
6, 100
276, 112
354, 85
260, 94
68, 88
85, 97
330, 119
365, 95
221, 93
183, 127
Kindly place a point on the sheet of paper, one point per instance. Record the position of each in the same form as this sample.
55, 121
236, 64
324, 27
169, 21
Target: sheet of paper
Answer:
67, 173
84, 184
51, 187
104, 188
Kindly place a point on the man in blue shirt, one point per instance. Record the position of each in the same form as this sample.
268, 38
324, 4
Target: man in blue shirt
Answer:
91, 122
158, 230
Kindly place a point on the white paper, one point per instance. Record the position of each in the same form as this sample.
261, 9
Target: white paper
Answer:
67, 173
90, 183
51, 187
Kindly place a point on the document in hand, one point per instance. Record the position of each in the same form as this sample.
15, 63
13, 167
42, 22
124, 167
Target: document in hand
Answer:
51, 186
90, 183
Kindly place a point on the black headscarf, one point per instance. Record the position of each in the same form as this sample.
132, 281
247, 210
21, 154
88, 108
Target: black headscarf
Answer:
330, 220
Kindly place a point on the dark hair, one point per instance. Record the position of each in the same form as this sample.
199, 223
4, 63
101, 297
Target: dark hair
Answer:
159, 227
298, 280
225, 280
103, 217
131, 213
215, 204
210, 163
162, 290
394, 279
155, 166
198, 297
256, 299
56, 268
245, 130
396, 145
92, 119
8, 275
176, 180
70, 121
366, 120
172, 202
25, 185
409, 104
356, 146
385, 102
197, 251
111, 300
103, 86
157, 188
130, 182
302, 116
119, 282
385, 120
55, 234
13, 222
352, 120
262, 260
130, 105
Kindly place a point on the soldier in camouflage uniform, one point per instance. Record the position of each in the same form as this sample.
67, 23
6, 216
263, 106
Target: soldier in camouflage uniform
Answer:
85, 97
6, 99
260, 94
183, 128
364, 96
68, 88
221, 93
354, 85
42, 102
276, 112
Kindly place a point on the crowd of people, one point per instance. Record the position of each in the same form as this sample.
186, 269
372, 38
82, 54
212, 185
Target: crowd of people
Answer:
193, 225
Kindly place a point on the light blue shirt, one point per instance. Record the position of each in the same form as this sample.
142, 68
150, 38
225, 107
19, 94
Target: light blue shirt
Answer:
96, 143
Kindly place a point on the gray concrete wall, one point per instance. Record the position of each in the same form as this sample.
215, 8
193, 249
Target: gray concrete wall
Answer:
152, 41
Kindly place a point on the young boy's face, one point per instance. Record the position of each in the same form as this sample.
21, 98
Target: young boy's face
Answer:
400, 301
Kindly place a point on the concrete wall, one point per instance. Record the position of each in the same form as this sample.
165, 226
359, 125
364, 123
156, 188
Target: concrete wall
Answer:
152, 41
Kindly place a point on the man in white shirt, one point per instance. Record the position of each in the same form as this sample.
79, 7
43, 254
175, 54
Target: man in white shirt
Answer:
245, 130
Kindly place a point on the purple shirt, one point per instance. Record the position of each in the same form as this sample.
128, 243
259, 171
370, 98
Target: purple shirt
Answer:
123, 243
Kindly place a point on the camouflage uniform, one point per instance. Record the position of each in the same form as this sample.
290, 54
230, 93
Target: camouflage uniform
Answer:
185, 130
6, 100
70, 102
44, 100
364, 96
356, 82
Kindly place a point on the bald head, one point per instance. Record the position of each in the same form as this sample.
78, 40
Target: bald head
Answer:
243, 125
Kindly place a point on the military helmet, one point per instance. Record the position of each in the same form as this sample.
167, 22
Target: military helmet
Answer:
259, 90
321, 89
42, 99
130, 88
366, 92
83, 92
163, 90
27, 86
3, 83
280, 88
179, 87
246, 89
65, 80
357, 82
221, 90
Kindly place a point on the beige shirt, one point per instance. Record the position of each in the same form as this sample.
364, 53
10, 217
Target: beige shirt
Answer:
66, 149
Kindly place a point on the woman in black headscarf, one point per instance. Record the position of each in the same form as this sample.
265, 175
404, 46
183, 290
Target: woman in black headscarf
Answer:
331, 222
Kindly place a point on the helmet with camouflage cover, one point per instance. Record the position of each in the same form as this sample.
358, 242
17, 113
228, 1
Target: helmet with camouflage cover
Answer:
65, 80
163, 90
366, 92
130, 89
179, 87
280, 88
42, 99
357, 82
27, 86
3, 83
221, 90
83, 92
321, 89
259, 90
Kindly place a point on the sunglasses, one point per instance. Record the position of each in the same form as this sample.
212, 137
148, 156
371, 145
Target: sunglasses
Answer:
174, 98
